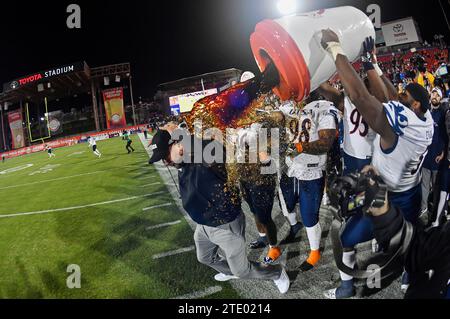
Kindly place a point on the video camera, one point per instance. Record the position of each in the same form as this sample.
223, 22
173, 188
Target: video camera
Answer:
355, 192
350, 195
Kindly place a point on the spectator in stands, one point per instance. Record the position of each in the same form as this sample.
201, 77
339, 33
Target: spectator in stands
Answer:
424, 78
447, 92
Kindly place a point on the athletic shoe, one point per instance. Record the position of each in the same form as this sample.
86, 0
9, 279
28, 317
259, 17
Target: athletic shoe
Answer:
223, 277
290, 238
261, 242
283, 282
338, 293
306, 266
273, 254
405, 282
311, 262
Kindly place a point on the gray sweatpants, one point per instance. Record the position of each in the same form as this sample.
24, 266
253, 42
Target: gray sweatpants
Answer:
230, 238
428, 182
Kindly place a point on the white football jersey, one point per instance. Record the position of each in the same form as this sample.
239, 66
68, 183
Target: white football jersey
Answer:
358, 136
400, 166
304, 126
92, 142
245, 139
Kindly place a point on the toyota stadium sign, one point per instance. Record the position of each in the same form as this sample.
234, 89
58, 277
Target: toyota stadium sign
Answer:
400, 32
48, 74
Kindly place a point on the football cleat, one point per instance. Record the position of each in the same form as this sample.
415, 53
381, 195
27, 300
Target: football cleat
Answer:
337, 293
273, 254
290, 238
405, 282
311, 262
261, 242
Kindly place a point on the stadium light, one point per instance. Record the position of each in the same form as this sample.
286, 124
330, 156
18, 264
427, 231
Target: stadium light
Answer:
287, 7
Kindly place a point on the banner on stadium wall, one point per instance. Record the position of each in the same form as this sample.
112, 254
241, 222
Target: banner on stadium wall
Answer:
55, 122
114, 109
400, 32
16, 126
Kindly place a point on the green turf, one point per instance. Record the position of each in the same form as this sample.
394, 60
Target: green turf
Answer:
109, 242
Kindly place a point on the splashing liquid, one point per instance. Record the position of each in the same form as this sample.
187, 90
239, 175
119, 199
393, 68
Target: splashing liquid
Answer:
235, 107
228, 108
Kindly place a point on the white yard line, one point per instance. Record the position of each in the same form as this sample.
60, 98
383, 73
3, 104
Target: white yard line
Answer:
174, 252
157, 206
78, 207
52, 180
151, 184
201, 294
163, 225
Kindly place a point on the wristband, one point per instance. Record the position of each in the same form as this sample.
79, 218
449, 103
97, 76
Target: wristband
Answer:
299, 147
377, 68
334, 48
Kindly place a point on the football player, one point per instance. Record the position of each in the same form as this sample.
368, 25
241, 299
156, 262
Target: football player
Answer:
313, 131
93, 144
404, 128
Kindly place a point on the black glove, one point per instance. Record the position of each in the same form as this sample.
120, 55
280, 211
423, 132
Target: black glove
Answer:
368, 58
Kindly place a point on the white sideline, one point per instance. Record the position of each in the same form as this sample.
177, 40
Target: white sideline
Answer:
52, 180
78, 207
164, 225
174, 252
157, 206
146, 177
201, 294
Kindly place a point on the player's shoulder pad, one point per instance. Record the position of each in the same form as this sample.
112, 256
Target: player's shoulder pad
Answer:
324, 108
320, 105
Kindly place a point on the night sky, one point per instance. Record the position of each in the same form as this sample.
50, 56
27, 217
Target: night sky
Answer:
163, 40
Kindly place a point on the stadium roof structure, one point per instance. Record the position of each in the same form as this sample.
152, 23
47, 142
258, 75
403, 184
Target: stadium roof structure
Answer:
52, 83
63, 81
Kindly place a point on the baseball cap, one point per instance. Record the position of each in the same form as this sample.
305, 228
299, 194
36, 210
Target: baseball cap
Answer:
247, 75
160, 145
420, 94
438, 91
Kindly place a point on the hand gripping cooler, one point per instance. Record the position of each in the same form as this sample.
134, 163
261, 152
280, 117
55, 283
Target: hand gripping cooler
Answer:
293, 44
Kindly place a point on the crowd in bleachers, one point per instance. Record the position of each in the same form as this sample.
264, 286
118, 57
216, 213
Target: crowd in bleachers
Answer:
428, 67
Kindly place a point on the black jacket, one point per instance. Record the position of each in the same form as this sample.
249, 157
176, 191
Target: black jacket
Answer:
428, 250
205, 195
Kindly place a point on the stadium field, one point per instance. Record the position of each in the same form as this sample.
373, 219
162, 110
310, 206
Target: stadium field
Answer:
112, 216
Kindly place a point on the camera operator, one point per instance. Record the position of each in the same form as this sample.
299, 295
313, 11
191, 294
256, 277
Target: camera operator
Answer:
424, 254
